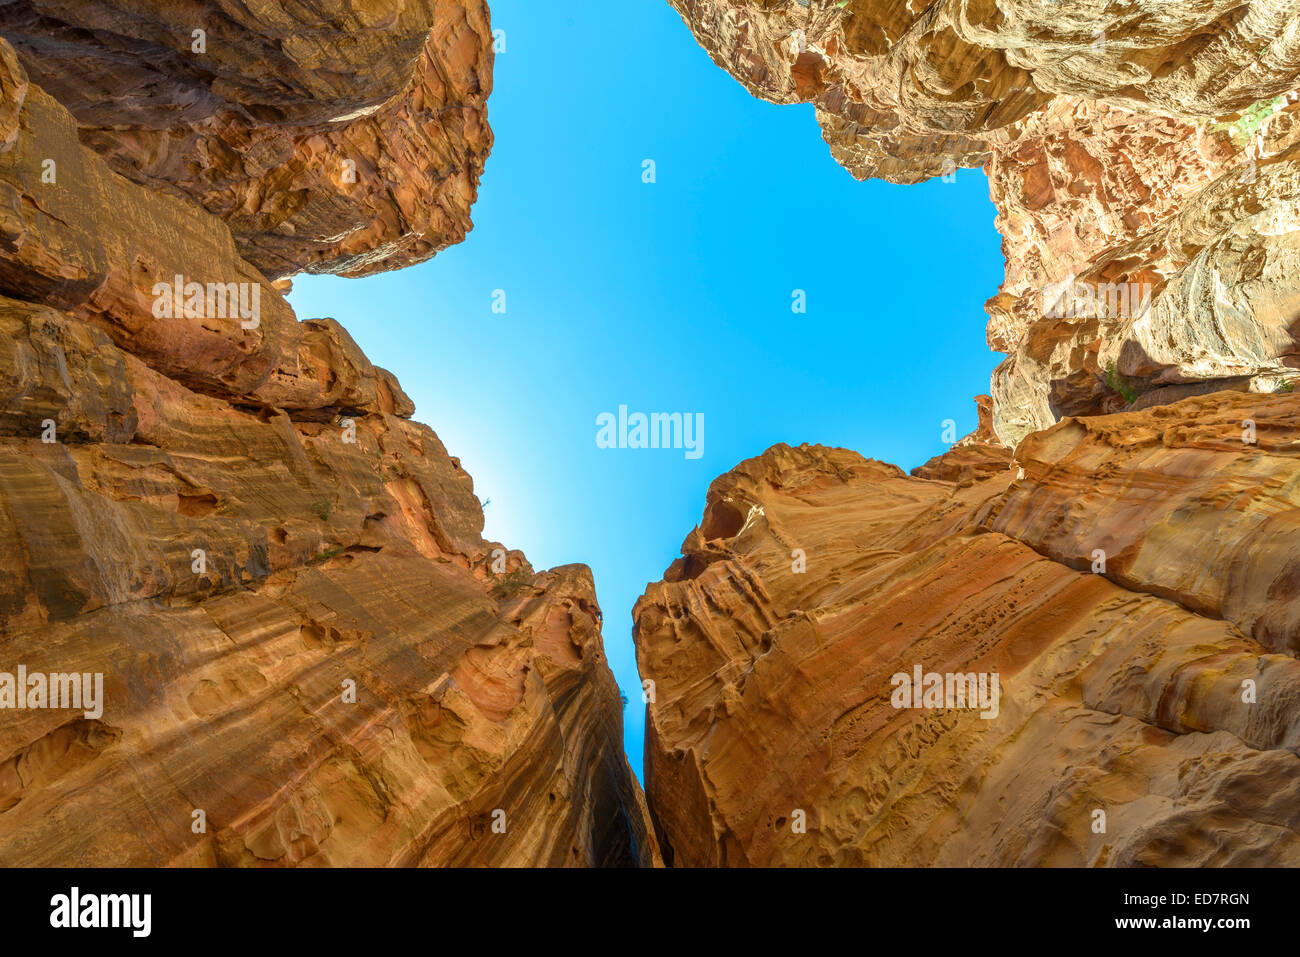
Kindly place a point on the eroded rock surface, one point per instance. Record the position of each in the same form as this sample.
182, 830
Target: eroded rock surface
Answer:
1132, 579
1198, 290
310, 655
903, 89
329, 138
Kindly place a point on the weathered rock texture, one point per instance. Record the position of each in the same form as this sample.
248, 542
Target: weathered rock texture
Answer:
302, 632
329, 137
1123, 682
1143, 158
1205, 248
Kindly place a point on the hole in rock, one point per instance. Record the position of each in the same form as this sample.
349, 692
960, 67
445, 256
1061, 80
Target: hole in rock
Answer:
196, 506
722, 520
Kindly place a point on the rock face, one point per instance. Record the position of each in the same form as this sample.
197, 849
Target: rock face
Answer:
343, 138
308, 652
1142, 157
1204, 297
1132, 581
902, 88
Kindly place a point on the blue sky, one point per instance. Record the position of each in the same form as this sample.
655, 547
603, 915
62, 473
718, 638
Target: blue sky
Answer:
673, 296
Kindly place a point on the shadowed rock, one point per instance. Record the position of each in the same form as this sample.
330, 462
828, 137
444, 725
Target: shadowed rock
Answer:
332, 139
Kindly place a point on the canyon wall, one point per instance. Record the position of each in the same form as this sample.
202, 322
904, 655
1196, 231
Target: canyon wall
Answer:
309, 653
342, 138
1133, 581
1115, 544
1143, 159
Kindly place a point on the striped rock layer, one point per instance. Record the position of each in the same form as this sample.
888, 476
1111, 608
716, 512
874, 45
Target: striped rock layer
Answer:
1133, 580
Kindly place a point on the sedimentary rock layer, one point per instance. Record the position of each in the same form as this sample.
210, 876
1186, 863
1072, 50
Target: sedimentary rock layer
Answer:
1155, 264
329, 138
1132, 579
1142, 158
309, 654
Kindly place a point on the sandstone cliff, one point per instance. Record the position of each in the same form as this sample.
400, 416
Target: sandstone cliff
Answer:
343, 138
1143, 157
310, 655
1132, 579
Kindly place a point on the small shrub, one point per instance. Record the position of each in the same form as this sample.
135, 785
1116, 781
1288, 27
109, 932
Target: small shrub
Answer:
512, 582
1116, 383
1243, 129
327, 554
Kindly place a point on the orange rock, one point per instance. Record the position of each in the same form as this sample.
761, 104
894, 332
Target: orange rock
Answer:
309, 653
327, 140
1125, 581
977, 456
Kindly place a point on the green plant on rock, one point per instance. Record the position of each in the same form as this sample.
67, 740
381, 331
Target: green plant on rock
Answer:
1243, 129
326, 555
324, 508
512, 582
1117, 383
